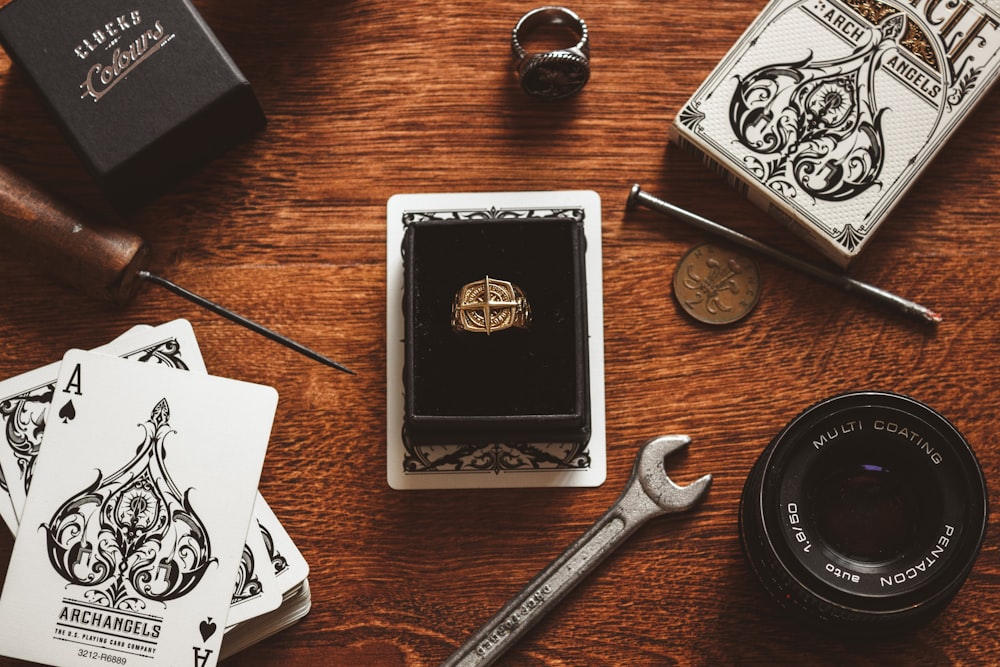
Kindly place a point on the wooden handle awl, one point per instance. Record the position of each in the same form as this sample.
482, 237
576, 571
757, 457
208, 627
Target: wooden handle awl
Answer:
101, 261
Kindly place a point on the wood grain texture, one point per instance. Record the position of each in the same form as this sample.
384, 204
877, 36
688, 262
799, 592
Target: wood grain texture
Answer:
366, 99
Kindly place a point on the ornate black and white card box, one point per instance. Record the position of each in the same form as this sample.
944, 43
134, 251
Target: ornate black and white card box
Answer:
825, 112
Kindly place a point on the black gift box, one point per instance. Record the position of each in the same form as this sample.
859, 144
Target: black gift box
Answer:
512, 386
143, 90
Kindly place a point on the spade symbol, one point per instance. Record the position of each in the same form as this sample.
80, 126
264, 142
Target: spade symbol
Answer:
207, 629
133, 535
68, 412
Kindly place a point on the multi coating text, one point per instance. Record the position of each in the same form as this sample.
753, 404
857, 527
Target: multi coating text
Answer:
830, 434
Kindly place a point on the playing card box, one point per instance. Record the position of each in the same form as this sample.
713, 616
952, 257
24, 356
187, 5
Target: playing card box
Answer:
825, 112
144, 91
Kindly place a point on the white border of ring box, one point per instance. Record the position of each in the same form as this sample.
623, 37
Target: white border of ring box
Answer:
439, 439
825, 112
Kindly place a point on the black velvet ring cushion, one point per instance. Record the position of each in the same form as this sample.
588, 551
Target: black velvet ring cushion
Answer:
514, 385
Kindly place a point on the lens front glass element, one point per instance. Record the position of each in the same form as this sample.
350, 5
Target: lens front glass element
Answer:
866, 512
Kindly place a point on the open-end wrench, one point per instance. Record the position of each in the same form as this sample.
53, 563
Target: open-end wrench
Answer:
648, 494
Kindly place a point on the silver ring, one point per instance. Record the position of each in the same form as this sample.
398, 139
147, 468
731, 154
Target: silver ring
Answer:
552, 74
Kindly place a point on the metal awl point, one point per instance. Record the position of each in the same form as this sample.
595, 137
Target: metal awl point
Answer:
242, 321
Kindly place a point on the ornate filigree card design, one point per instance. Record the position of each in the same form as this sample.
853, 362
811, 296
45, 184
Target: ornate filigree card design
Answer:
826, 111
133, 535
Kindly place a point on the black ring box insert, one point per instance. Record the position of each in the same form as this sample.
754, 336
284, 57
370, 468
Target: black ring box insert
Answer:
513, 386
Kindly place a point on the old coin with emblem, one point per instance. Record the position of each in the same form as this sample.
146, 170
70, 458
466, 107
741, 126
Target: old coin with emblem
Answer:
716, 285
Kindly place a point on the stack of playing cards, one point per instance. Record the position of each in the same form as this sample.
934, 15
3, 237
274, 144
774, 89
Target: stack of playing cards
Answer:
131, 489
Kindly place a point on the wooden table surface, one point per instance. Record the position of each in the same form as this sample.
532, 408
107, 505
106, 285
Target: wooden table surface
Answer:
367, 99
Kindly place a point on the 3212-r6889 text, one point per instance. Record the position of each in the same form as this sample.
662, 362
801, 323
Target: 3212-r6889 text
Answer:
104, 657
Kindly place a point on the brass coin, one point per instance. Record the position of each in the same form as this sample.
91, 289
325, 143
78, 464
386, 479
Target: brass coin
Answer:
716, 285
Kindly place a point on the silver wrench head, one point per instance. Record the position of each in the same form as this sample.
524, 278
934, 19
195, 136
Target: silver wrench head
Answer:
652, 475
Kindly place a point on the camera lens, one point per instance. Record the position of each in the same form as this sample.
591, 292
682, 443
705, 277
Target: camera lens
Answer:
865, 514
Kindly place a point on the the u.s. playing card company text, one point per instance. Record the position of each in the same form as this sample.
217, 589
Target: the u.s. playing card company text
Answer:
123, 631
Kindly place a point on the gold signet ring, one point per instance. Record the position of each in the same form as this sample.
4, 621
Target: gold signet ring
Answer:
490, 305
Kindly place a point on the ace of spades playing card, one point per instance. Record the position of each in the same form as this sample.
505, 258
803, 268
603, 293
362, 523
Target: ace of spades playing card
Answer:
25, 400
135, 524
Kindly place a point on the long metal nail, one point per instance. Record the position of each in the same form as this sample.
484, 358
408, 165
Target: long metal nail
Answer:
841, 281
